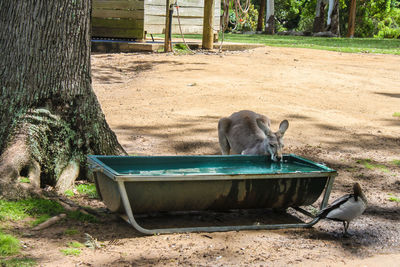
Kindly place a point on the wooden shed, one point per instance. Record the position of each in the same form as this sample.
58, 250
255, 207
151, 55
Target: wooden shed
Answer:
134, 18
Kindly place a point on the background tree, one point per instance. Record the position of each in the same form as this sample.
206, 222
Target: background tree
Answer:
261, 14
319, 21
50, 116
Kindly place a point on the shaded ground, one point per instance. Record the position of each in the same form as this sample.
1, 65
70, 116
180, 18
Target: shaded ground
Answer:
340, 108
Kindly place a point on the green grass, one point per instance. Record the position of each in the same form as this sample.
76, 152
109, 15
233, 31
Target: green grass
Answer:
71, 251
40, 219
79, 216
39, 209
24, 180
33, 207
396, 114
396, 162
18, 262
69, 193
75, 245
181, 49
394, 198
71, 232
348, 45
87, 189
83, 189
9, 245
367, 163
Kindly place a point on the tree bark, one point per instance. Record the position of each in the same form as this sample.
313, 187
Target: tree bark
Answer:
334, 25
261, 14
319, 20
270, 17
50, 116
352, 19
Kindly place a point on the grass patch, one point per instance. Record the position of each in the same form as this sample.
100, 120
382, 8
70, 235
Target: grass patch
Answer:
69, 193
393, 198
71, 232
347, 45
32, 207
368, 163
71, 251
17, 262
181, 49
396, 114
24, 180
75, 245
87, 189
396, 162
39, 209
79, 216
9, 245
41, 219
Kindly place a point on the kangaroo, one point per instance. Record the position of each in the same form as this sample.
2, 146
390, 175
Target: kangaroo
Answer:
248, 133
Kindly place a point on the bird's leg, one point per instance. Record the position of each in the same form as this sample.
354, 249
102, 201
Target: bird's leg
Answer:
346, 226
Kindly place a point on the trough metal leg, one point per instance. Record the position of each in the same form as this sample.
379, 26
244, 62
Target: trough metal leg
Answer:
132, 221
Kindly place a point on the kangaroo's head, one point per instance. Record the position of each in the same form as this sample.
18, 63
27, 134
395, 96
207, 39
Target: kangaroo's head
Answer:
274, 141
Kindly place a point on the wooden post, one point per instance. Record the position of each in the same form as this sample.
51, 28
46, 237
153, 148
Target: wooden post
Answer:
167, 37
352, 19
208, 37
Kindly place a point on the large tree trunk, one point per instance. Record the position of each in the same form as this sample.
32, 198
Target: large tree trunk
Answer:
50, 116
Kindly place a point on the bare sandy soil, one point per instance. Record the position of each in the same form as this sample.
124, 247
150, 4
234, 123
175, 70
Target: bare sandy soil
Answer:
340, 108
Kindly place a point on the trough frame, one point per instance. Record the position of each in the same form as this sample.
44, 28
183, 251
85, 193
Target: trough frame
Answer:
130, 218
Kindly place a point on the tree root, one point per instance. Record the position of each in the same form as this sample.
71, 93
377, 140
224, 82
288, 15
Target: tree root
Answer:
49, 222
19, 173
42, 151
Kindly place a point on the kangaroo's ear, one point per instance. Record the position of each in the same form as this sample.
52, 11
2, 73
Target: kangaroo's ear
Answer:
263, 127
283, 126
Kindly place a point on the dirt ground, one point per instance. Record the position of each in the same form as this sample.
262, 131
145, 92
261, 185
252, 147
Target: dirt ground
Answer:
340, 109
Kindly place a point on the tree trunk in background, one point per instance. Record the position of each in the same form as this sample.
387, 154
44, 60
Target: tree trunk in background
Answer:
261, 13
352, 19
270, 17
319, 20
225, 15
50, 116
334, 26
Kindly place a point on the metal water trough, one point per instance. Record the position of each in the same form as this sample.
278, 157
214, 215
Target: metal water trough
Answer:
146, 184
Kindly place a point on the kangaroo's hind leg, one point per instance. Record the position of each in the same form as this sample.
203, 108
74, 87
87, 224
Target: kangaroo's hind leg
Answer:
223, 128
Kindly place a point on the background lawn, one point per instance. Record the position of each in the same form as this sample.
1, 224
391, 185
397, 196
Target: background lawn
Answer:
349, 45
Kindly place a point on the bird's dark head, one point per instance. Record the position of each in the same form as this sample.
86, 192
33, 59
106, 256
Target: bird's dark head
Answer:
358, 192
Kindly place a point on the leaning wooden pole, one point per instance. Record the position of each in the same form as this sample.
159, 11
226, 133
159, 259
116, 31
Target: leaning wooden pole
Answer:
208, 37
352, 19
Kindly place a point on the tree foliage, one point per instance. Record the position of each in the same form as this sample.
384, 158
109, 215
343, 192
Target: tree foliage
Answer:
374, 18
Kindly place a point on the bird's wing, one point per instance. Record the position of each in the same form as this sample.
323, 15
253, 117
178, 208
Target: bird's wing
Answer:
335, 204
348, 210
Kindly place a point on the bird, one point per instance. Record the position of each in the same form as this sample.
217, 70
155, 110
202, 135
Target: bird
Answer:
345, 208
